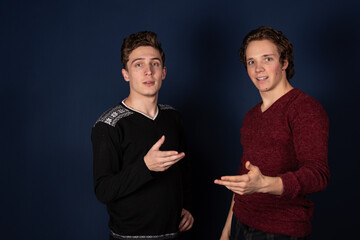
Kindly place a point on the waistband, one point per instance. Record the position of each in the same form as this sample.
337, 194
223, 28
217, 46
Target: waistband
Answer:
149, 237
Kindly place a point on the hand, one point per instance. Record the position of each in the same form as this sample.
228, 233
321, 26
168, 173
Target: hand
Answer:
159, 161
252, 182
187, 220
248, 183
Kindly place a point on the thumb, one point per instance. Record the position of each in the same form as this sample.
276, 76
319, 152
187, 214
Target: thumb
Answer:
158, 144
249, 166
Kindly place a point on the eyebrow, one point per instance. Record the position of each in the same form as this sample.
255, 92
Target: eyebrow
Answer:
138, 59
265, 55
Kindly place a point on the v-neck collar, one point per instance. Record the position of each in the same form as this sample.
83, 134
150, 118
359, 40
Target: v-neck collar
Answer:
134, 110
274, 104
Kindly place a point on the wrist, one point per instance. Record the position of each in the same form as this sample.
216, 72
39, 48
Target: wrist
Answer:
146, 162
272, 185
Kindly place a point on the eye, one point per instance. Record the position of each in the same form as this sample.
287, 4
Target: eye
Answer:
156, 64
251, 62
268, 59
138, 65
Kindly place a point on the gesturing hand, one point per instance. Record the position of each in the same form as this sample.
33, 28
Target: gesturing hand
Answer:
252, 182
159, 161
248, 183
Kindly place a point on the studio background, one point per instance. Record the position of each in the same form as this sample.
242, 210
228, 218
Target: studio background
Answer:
61, 69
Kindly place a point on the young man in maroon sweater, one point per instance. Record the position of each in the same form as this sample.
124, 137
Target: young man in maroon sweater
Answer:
285, 145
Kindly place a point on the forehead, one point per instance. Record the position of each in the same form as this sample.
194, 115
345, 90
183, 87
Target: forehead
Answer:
261, 47
144, 52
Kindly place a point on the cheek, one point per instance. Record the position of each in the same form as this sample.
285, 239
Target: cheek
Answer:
275, 69
250, 71
252, 75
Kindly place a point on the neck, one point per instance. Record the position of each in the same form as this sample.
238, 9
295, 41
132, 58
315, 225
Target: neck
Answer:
269, 97
146, 105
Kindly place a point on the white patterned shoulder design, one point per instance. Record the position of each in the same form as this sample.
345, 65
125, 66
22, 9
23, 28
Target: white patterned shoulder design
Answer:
165, 107
113, 115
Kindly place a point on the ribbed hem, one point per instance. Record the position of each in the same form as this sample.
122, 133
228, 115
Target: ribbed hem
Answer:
295, 229
147, 237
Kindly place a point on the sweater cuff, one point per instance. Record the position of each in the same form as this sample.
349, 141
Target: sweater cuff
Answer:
291, 186
145, 169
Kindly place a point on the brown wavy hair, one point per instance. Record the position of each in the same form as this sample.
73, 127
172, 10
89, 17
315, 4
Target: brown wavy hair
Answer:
135, 40
283, 45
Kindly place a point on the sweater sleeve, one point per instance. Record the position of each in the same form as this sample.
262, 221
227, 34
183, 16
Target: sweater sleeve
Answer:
310, 128
111, 180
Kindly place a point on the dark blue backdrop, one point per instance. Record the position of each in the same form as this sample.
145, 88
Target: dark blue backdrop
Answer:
60, 69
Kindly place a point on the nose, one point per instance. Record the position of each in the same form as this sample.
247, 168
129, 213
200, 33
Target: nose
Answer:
259, 67
148, 69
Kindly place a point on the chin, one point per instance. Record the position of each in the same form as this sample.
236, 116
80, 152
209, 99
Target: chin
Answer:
150, 94
264, 89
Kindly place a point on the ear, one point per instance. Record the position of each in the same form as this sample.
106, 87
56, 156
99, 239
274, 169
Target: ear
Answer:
163, 74
125, 75
285, 65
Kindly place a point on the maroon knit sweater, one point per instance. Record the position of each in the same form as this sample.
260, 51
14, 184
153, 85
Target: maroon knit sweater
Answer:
289, 140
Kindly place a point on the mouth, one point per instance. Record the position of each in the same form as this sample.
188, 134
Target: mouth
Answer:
149, 83
261, 78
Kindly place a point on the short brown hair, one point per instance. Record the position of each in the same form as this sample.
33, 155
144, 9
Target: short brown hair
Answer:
283, 45
135, 40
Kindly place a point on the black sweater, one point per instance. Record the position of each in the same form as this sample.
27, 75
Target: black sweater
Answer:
139, 201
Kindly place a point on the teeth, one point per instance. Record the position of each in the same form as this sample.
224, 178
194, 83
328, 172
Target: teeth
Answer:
262, 78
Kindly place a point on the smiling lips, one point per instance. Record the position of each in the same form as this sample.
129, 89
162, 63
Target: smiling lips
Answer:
261, 78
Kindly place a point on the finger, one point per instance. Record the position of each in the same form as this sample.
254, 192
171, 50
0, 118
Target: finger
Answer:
172, 158
236, 189
221, 182
175, 157
182, 228
166, 154
187, 225
230, 184
171, 161
236, 178
186, 222
158, 144
182, 222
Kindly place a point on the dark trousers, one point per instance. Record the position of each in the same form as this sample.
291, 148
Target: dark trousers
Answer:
240, 231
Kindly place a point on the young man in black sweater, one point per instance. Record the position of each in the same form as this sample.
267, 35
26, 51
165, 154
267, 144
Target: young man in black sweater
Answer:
137, 147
